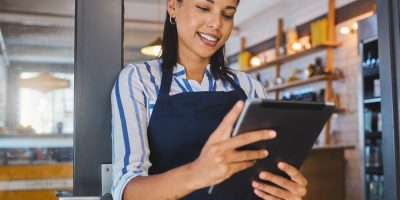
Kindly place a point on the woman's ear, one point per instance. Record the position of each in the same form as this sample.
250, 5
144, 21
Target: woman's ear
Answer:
171, 7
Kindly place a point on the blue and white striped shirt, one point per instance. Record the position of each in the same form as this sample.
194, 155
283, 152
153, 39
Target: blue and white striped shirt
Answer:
133, 97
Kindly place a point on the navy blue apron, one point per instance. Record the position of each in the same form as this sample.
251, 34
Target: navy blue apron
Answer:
181, 124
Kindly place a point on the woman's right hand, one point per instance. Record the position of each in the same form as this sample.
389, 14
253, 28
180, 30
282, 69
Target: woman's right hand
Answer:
219, 158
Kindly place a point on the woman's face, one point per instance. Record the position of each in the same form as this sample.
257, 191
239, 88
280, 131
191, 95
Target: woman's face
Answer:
203, 25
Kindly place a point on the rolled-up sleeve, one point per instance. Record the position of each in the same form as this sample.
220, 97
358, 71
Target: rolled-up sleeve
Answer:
130, 148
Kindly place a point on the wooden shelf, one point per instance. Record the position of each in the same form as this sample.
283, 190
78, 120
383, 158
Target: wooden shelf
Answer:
302, 82
340, 110
36, 141
300, 54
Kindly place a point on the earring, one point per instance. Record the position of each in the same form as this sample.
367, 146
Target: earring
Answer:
172, 20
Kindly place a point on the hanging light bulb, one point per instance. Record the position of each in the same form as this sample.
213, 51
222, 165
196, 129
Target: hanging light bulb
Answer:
296, 46
344, 30
255, 61
153, 49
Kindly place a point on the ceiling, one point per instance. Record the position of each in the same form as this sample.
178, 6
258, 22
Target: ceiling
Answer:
41, 32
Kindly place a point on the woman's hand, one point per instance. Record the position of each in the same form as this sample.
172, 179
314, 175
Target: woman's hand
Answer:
219, 158
293, 189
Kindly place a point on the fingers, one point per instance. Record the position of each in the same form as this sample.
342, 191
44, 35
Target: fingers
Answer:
264, 195
237, 167
229, 120
240, 156
294, 174
290, 186
223, 131
249, 138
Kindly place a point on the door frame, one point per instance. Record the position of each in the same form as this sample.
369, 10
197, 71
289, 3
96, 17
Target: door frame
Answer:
98, 60
389, 56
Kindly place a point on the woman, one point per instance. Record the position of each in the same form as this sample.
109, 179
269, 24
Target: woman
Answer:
172, 117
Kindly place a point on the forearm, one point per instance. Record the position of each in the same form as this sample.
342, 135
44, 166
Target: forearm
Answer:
173, 184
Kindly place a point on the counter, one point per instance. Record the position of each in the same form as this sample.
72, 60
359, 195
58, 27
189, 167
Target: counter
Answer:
325, 172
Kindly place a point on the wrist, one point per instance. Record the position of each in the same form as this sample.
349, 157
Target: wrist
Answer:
194, 182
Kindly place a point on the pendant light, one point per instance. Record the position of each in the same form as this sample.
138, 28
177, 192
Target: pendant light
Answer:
154, 48
44, 82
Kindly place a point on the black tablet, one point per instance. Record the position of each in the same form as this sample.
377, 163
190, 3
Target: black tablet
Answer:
298, 125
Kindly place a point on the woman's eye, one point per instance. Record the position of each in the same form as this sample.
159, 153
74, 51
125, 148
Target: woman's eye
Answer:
202, 8
228, 16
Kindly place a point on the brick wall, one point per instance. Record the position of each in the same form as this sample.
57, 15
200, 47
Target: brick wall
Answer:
347, 60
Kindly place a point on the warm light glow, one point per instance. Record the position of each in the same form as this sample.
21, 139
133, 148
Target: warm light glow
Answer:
355, 26
296, 46
255, 61
344, 30
151, 50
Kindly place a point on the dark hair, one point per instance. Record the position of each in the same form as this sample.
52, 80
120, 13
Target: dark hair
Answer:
169, 55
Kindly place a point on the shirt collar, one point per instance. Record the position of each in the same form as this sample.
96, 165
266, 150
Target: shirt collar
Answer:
179, 71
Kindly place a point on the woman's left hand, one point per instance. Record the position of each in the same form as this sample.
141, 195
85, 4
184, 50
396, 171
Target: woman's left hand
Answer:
293, 189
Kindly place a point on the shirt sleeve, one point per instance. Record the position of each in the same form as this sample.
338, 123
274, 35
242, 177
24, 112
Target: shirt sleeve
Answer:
256, 88
130, 150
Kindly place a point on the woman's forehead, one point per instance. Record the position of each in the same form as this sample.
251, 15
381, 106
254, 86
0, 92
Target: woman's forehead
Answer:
226, 2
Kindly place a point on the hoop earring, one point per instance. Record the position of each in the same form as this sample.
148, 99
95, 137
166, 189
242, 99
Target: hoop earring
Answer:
172, 20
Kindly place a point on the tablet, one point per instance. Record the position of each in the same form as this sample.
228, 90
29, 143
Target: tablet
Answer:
298, 125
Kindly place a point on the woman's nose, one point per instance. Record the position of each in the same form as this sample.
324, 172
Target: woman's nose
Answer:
215, 22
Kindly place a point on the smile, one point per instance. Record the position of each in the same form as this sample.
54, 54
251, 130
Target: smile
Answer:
208, 40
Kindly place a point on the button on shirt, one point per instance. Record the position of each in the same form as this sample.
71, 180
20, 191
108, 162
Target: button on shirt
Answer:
133, 98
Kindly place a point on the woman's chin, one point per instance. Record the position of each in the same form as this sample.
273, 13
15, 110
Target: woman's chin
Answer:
206, 53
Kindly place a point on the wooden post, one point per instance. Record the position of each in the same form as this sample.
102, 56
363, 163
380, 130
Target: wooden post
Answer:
329, 63
278, 45
331, 35
242, 43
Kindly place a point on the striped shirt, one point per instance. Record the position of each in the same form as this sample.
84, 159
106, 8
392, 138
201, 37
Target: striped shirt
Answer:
133, 98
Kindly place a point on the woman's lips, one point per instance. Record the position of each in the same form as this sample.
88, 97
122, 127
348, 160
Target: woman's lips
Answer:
206, 41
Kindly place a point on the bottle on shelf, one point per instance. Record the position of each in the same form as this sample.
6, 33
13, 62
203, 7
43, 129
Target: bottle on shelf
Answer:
367, 62
367, 120
377, 88
318, 68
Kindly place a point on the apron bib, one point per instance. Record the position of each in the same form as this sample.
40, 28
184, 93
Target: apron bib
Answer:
181, 124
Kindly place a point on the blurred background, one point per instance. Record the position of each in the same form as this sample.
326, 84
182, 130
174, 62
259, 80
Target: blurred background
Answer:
300, 50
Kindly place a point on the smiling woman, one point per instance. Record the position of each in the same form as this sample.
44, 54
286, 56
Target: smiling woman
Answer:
194, 33
172, 117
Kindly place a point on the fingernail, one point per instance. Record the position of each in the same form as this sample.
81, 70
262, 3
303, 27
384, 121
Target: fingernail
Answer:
281, 165
255, 184
272, 133
265, 153
263, 175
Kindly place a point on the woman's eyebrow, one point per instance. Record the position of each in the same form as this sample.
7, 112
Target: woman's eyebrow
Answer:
227, 7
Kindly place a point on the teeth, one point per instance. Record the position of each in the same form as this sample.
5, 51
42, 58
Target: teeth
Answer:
208, 37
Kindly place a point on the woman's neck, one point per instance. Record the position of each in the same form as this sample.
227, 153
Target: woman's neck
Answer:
194, 67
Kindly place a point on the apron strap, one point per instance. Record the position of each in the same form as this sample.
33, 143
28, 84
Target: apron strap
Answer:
166, 81
235, 85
